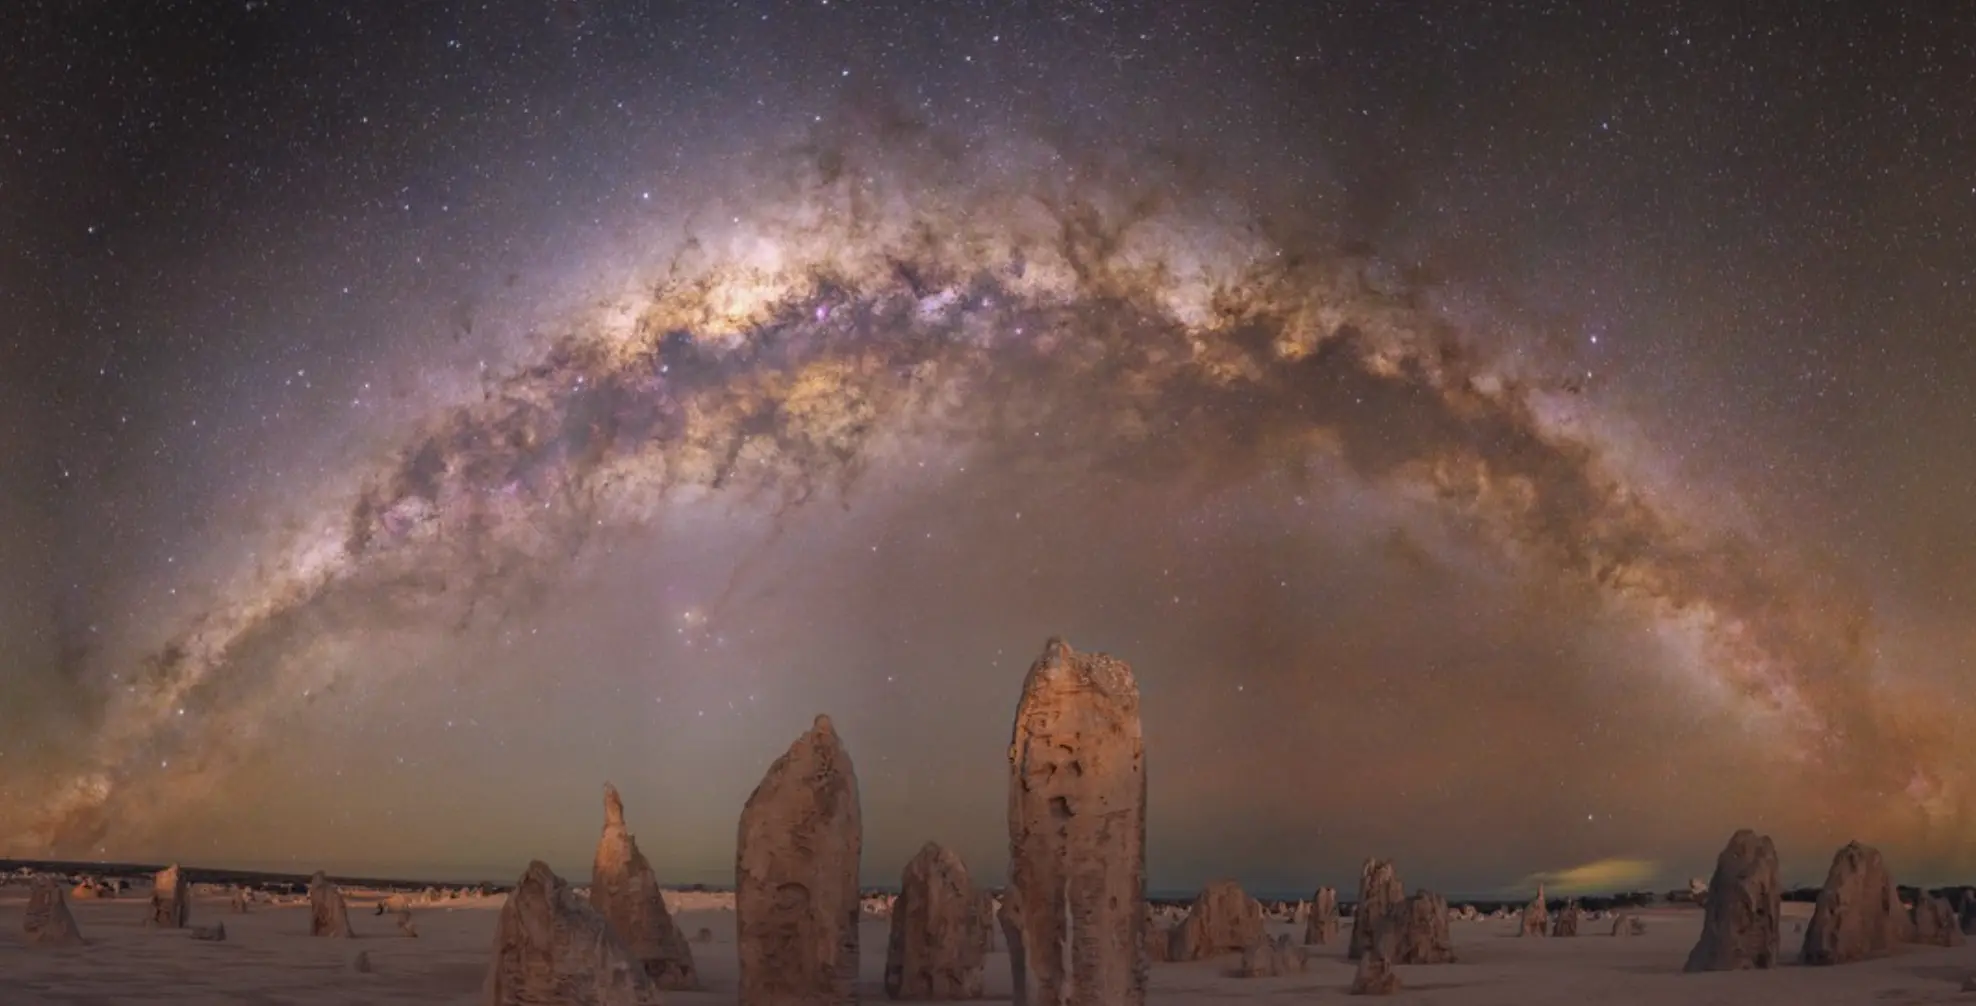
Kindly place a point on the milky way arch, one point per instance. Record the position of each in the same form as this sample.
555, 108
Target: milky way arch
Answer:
1116, 316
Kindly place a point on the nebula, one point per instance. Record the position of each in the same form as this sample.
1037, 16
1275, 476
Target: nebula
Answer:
1047, 308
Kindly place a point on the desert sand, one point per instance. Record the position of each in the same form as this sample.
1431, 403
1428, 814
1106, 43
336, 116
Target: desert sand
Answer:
269, 958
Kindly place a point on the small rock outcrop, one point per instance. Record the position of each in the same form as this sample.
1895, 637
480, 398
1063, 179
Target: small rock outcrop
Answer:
552, 947
1271, 959
171, 899
796, 904
1565, 923
1859, 914
625, 892
1077, 834
935, 948
1536, 916
1321, 917
1935, 922
985, 925
1381, 899
328, 916
1223, 920
1420, 931
215, 933
48, 922
1743, 899
1158, 939
1375, 976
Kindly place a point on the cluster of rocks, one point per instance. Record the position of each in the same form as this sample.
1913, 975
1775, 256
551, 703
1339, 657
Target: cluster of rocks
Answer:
1859, 913
1073, 918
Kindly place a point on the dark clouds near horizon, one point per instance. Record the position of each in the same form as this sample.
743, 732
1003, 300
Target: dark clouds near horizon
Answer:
258, 252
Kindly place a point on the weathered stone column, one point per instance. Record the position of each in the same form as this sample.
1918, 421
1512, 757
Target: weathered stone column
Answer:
1077, 834
796, 878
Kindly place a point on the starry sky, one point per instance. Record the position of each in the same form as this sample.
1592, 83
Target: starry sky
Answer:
1520, 439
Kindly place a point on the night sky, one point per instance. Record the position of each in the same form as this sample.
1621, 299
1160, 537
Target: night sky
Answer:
1511, 438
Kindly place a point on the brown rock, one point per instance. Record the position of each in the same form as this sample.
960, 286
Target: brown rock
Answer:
985, 924
1077, 834
1321, 919
796, 877
1566, 922
1421, 931
1858, 914
1271, 959
1935, 922
1374, 976
215, 933
171, 899
1223, 920
1381, 898
328, 916
1536, 916
1009, 917
48, 922
935, 949
1158, 939
552, 949
1628, 925
625, 892
1739, 926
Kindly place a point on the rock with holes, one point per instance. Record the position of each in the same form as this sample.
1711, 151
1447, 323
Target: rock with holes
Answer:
1742, 914
624, 890
1536, 916
1321, 918
1223, 920
552, 947
328, 916
1859, 913
934, 950
171, 899
1935, 922
1077, 833
796, 905
1420, 931
1381, 900
48, 922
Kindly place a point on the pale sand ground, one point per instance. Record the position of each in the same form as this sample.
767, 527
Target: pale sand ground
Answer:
269, 959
